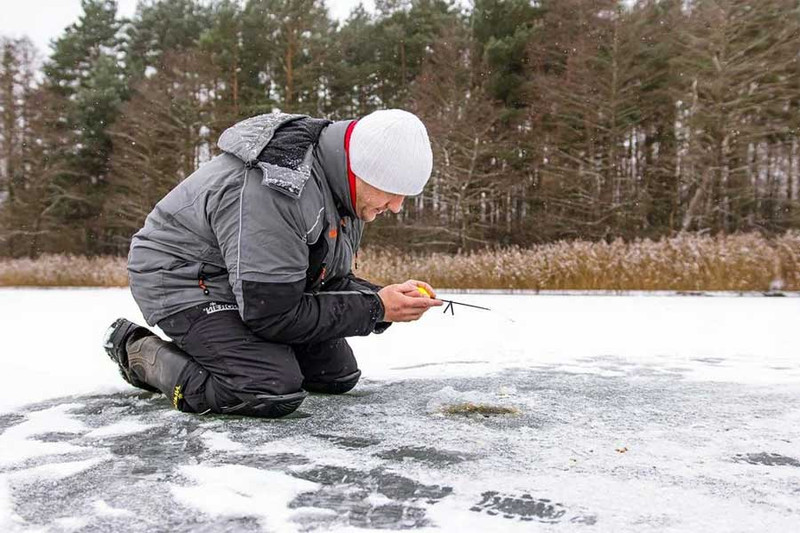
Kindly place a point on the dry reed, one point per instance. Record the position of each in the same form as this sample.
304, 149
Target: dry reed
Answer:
746, 262
64, 271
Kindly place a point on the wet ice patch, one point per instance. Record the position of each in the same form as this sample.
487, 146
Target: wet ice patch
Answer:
241, 491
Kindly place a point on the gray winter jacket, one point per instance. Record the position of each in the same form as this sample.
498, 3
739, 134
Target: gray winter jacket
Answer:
269, 226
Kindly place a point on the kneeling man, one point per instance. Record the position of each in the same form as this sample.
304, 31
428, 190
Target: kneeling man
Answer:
246, 264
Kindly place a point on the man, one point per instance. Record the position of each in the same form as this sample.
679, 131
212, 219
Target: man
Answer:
246, 264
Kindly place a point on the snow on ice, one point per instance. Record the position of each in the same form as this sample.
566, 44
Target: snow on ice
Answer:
568, 413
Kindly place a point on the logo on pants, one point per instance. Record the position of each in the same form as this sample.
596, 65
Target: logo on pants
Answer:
216, 308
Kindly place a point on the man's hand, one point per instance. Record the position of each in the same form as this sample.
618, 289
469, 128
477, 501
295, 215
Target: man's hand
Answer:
405, 303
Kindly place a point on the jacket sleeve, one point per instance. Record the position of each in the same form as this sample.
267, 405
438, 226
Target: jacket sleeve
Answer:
282, 312
351, 282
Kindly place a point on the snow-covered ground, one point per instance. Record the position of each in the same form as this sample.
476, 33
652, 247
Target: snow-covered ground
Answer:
627, 413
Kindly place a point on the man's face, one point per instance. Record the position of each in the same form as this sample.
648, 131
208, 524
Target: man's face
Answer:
371, 202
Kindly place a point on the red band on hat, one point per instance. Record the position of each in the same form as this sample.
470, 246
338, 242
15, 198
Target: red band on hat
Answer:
351, 177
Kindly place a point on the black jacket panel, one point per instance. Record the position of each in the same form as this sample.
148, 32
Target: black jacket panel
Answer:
283, 312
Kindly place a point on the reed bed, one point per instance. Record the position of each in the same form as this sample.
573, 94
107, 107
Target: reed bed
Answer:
748, 262
64, 271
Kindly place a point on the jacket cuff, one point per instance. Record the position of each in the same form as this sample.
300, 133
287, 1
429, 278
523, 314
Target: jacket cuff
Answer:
380, 327
380, 324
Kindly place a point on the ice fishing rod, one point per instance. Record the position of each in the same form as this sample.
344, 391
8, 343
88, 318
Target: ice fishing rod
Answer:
451, 303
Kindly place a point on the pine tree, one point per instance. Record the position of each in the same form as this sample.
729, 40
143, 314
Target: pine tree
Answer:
503, 29
160, 27
285, 53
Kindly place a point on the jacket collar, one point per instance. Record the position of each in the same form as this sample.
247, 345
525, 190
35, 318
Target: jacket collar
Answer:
332, 159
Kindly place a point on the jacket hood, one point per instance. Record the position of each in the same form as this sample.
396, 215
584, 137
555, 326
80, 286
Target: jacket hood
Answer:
248, 138
332, 158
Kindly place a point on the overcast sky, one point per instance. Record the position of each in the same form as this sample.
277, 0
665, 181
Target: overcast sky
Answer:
43, 20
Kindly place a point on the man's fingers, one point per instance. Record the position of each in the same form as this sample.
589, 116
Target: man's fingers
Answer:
418, 303
407, 286
415, 315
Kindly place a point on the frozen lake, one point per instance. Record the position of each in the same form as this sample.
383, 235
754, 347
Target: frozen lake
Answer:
622, 413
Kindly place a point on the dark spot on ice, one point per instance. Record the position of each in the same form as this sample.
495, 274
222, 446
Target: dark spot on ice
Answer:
161, 442
263, 461
55, 436
766, 459
709, 360
524, 507
589, 520
8, 420
143, 470
426, 455
354, 509
398, 487
348, 442
349, 492
330, 475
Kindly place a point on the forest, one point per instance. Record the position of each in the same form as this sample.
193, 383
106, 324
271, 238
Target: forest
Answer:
550, 120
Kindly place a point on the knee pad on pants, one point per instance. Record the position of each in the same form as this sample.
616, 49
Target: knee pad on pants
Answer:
266, 405
333, 386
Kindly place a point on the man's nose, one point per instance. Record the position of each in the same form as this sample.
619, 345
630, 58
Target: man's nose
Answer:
396, 204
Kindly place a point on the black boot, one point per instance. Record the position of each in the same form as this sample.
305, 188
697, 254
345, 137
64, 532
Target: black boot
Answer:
117, 337
158, 363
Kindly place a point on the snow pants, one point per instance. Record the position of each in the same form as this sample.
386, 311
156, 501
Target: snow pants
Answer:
231, 367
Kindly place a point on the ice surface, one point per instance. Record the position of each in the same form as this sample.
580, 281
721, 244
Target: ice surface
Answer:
18, 446
103, 509
220, 442
124, 427
242, 491
627, 414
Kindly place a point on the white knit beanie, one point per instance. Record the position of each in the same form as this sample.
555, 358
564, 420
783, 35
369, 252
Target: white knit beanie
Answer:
390, 150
